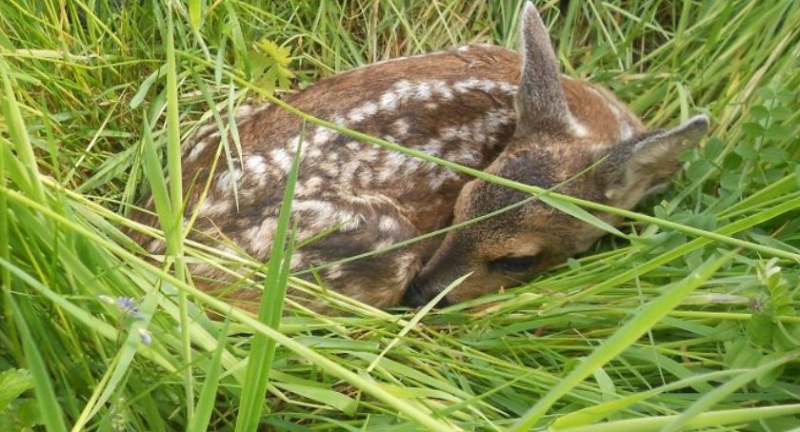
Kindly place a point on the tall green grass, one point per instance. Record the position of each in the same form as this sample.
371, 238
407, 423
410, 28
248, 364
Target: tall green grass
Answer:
691, 322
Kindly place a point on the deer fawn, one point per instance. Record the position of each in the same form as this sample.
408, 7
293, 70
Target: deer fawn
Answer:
481, 106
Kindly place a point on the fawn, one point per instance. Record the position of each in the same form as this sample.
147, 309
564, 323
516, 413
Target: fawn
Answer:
484, 107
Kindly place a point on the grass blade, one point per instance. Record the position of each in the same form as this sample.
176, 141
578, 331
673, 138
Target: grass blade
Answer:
631, 331
262, 351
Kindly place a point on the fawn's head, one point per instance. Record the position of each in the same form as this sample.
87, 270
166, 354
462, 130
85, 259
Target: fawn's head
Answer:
552, 147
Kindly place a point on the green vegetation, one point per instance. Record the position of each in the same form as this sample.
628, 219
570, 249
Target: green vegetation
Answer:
692, 322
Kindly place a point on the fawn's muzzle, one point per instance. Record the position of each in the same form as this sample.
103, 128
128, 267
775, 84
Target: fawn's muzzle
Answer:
416, 296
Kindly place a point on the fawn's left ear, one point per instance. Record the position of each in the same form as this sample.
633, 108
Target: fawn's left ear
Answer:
541, 103
641, 166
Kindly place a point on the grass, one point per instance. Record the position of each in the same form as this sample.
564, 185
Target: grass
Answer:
691, 322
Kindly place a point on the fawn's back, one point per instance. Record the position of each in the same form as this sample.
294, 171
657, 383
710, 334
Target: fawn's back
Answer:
353, 197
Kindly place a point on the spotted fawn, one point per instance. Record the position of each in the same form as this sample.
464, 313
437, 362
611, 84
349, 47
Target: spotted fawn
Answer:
509, 114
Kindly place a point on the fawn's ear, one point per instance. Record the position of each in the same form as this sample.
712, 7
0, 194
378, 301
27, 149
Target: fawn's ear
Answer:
541, 103
644, 165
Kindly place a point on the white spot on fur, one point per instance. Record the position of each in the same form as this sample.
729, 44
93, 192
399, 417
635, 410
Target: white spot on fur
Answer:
348, 221
291, 147
321, 136
353, 145
334, 272
391, 166
508, 88
211, 208
256, 165
435, 182
487, 86
323, 214
313, 206
314, 153
243, 111
197, 149
369, 155
404, 88
442, 89
413, 165
228, 179
365, 111
203, 131
456, 133
578, 129
432, 147
463, 49
260, 237
383, 244
310, 187
282, 159
496, 119
365, 178
389, 101
404, 265
401, 127
423, 91
464, 156
347, 171
155, 246
466, 85
297, 260
329, 168
388, 224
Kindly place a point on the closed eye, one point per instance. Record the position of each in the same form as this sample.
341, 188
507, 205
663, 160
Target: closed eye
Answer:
513, 264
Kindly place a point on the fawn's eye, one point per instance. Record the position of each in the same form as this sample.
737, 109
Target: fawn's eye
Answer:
513, 264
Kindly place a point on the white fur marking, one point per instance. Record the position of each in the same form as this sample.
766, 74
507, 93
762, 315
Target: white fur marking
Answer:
432, 147
365, 111
388, 224
228, 179
212, 208
334, 272
423, 91
442, 89
282, 159
197, 149
260, 237
321, 136
401, 127
256, 165
578, 128
389, 101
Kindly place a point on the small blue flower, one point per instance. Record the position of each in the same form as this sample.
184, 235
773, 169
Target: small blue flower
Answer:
126, 304
145, 336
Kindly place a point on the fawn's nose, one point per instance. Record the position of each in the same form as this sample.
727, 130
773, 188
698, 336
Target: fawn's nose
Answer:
417, 296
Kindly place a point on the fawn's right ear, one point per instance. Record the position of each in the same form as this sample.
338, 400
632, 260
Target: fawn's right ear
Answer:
645, 165
541, 103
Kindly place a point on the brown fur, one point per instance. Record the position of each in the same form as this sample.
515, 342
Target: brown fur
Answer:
458, 105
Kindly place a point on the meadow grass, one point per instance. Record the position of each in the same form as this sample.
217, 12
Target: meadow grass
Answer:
686, 319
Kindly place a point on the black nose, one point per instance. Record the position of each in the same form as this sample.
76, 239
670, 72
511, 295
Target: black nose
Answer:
415, 296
